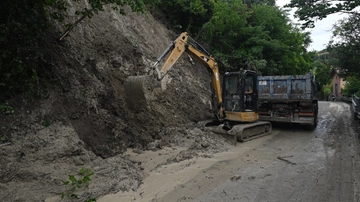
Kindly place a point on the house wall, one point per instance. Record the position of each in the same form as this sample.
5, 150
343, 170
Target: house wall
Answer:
338, 84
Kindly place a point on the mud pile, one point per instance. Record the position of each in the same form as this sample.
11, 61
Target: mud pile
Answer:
81, 118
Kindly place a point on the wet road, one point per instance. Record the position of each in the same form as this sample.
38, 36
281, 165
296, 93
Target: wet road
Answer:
292, 164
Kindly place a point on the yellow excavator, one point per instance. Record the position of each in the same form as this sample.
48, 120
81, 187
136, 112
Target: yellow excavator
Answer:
234, 99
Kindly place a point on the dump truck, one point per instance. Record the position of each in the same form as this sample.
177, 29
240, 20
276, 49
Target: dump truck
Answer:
288, 99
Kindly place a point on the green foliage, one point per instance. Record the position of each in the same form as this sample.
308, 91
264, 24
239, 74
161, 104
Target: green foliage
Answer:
312, 10
186, 15
225, 29
352, 86
326, 91
256, 36
346, 44
323, 65
261, 38
74, 185
284, 46
5, 108
23, 26
254, 2
322, 72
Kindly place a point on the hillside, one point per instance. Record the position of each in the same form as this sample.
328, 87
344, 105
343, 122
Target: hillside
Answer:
81, 118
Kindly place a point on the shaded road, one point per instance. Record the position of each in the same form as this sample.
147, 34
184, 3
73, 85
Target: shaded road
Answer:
292, 164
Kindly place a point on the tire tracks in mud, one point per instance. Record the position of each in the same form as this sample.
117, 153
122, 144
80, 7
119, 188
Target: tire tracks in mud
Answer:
324, 167
341, 175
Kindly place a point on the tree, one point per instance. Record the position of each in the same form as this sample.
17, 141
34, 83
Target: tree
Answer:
259, 38
345, 45
322, 72
22, 29
284, 47
225, 32
323, 67
312, 10
254, 2
352, 86
186, 15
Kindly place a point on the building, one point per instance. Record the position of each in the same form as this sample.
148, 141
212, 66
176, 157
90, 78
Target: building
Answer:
338, 84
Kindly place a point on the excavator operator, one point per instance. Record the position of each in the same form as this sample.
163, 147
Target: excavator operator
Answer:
249, 94
249, 90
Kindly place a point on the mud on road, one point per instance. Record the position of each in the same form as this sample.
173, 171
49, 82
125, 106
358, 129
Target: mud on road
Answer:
82, 119
291, 164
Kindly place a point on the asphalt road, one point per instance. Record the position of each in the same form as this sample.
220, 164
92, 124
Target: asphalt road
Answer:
292, 164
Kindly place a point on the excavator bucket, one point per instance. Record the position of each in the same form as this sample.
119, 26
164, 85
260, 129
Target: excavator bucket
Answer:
137, 92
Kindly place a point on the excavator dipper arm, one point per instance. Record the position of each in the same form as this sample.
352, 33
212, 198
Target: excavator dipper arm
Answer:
173, 53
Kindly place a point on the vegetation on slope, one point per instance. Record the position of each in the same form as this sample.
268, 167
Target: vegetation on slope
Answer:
256, 35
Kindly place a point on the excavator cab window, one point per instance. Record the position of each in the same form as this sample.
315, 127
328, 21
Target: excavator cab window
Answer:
250, 101
232, 92
239, 91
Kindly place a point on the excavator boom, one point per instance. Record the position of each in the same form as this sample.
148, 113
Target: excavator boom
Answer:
173, 53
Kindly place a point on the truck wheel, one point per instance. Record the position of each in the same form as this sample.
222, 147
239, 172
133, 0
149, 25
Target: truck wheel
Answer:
314, 123
315, 118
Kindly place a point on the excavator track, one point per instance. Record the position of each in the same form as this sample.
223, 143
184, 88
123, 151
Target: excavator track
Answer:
250, 131
242, 132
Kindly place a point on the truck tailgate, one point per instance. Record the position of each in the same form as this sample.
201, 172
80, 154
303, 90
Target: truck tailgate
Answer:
286, 88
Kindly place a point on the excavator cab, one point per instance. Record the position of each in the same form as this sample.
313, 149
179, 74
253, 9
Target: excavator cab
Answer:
239, 91
240, 103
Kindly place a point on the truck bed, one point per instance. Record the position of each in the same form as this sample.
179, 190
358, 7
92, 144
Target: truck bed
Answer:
288, 99
286, 88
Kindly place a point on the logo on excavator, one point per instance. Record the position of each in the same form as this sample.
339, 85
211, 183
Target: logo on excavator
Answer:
204, 58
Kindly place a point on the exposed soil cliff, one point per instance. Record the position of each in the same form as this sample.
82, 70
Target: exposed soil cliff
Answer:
83, 120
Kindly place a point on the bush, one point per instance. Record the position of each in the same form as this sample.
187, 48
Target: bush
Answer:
352, 86
326, 91
23, 26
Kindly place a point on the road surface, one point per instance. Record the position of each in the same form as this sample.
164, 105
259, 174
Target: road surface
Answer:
291, 164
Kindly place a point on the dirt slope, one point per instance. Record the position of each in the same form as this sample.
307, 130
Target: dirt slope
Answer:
81, 118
